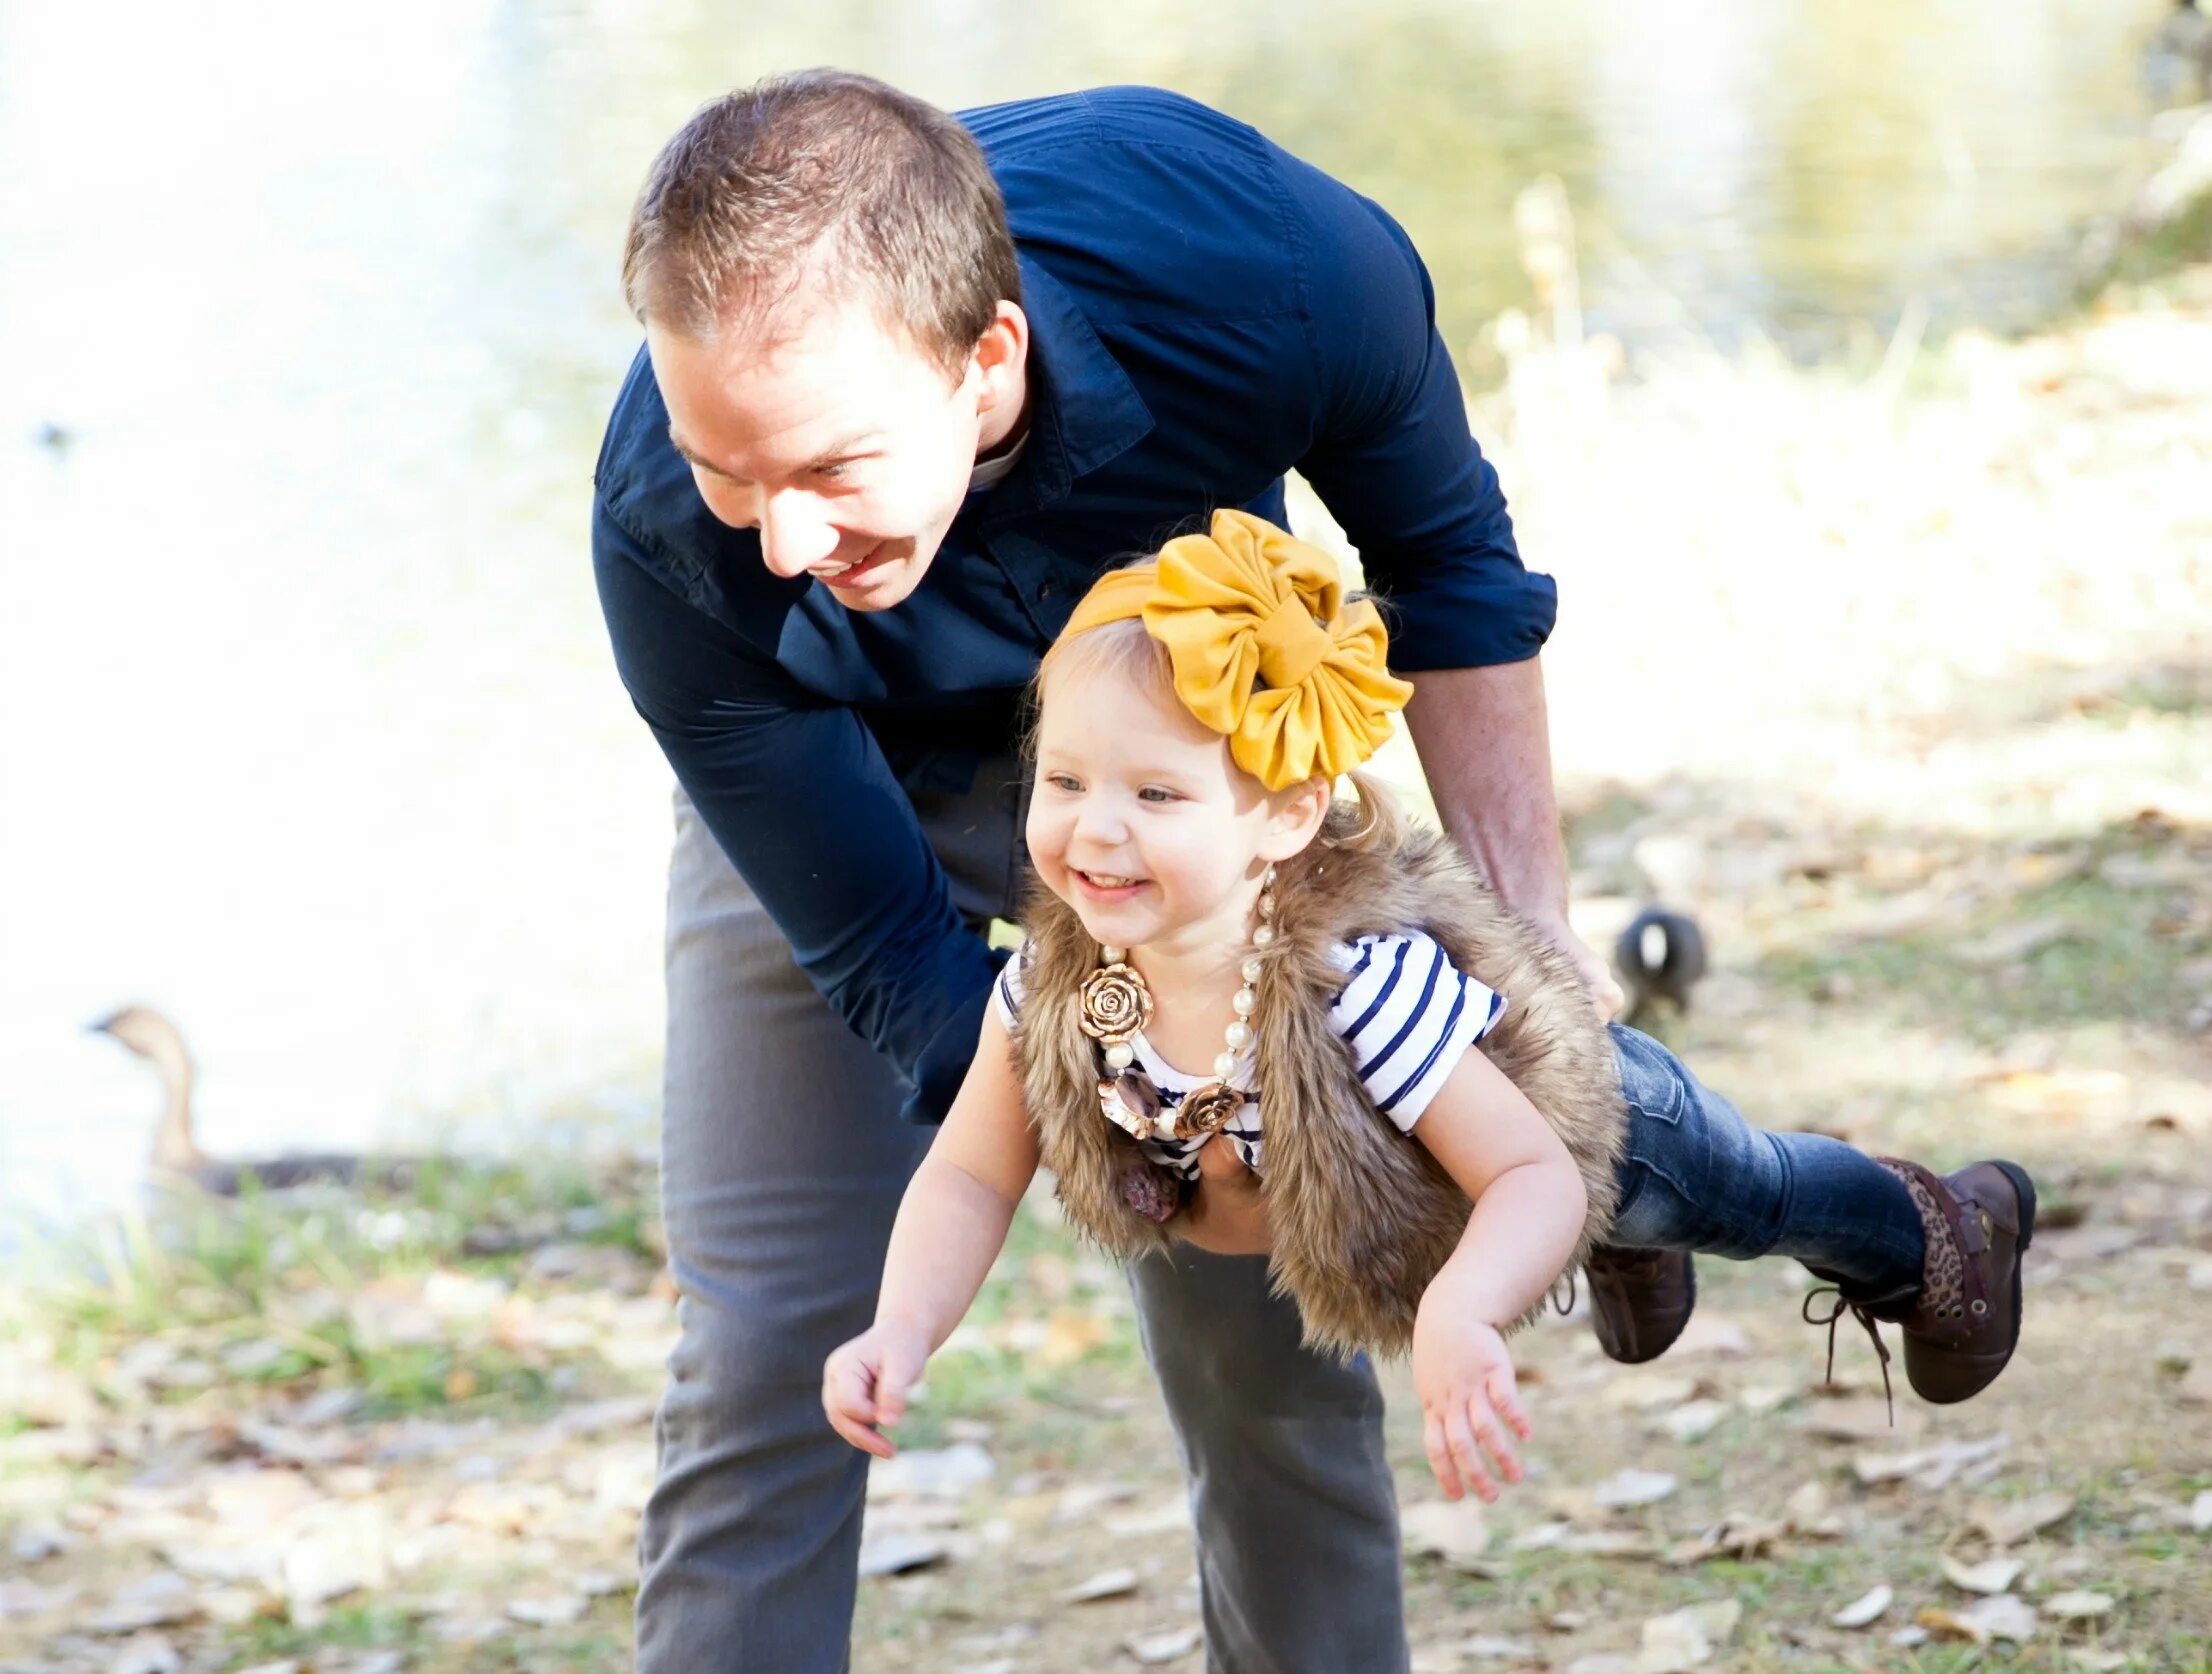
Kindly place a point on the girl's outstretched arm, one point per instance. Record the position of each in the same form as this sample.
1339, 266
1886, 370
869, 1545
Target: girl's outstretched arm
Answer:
1529, 1209
951, 1225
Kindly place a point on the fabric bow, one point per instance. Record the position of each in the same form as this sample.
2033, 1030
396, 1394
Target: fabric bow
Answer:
1265, 651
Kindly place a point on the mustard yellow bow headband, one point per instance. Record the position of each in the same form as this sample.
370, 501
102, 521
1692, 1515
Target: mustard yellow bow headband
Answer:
1264, 648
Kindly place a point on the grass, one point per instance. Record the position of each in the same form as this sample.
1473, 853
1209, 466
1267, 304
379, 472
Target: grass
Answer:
2120, 956
255, 1287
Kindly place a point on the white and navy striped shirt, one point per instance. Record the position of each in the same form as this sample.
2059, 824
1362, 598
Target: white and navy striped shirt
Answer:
1406, 1011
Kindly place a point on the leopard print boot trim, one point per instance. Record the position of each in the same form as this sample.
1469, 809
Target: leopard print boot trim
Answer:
1950, 1283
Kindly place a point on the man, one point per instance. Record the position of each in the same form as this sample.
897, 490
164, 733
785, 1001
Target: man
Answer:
909, 384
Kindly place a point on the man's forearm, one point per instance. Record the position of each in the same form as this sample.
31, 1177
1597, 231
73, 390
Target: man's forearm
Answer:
1485, 746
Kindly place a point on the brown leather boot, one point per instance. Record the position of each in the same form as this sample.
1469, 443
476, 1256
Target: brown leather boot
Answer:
1962, 1321
1640, 1300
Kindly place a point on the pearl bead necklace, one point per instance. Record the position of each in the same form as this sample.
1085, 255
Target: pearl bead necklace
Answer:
1116, 1006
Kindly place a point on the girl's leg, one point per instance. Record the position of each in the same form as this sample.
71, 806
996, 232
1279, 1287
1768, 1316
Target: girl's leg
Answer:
1699, 1177
1938, 1256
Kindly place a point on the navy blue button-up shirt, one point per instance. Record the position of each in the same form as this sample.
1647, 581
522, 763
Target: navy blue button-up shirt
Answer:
1206, 313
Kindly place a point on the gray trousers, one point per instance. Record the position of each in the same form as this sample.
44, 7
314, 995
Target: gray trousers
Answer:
782, 1162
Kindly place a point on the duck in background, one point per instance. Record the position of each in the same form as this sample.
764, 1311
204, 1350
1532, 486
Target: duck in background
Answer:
2177, 66
1660, 957
177, 1157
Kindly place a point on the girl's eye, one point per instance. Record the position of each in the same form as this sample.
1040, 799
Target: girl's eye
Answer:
1063, 782
1153, 793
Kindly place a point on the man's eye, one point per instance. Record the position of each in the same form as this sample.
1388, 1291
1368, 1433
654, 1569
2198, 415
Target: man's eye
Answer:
836, 472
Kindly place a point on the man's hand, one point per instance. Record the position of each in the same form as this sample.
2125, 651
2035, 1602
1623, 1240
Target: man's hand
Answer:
1590, 965
1463, 1375
864, 1384
1228, 1216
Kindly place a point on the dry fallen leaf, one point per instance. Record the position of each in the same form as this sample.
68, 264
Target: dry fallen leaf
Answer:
1711, 1334
931, 1473
1646, 1391
1808, 1504
157, 1601
1737, 1535
1686, 1639
1992, 1575
2010, 942
1928, 1468
1541, 1537
1859, 1419
1164, 1518
1864, 1611
1080, 1501
1693, 1420
1164, 1645
148, 1653
2099, 1662
1633, 1488
2196, 1384
1107, 1583
894, 1552
1943, 1624
2077, 1607
1609, 1543
2200, 1512
1455, 1532
1491, 1647
1070, 1334
2009, 1522
558, 1610
35, 1542
2004, 1617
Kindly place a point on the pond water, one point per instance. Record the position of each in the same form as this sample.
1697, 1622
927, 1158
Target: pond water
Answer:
308, 323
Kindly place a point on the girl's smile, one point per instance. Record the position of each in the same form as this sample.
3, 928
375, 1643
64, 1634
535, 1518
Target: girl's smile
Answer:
1105, 887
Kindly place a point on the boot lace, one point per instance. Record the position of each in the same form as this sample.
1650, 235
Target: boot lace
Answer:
1861, 1309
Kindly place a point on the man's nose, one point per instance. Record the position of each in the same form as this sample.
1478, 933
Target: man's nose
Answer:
795, 536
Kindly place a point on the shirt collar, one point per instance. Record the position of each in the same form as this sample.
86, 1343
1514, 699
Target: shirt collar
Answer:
1083, 410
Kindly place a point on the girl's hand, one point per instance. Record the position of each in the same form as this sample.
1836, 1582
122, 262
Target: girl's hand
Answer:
1464, 1377
864, 1384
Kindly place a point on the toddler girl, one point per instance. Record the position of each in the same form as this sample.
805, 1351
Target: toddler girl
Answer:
1221, 955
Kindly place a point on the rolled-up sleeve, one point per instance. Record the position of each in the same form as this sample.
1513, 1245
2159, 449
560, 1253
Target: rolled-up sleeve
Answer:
1392, 457
810, 814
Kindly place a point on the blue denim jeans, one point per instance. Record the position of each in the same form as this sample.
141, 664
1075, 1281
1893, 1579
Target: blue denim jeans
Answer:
1699, 1177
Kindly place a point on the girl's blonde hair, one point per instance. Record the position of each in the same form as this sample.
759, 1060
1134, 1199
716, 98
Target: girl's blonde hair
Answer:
1371, 819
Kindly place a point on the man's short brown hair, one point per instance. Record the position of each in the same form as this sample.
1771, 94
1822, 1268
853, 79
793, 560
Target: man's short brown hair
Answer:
822, 174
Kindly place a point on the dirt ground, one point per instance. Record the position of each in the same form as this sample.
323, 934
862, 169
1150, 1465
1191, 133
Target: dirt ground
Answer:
1899, 676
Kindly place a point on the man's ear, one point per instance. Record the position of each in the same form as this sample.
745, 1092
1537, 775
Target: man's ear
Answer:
1296, 817
1001, 353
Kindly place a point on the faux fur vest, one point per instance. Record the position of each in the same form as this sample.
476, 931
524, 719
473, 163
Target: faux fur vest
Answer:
1360, 1214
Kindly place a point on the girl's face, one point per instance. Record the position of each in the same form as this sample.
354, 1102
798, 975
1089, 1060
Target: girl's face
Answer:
1143, 824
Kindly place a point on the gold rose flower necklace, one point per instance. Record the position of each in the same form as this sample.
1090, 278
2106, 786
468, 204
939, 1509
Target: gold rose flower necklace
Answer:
1116, 1006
